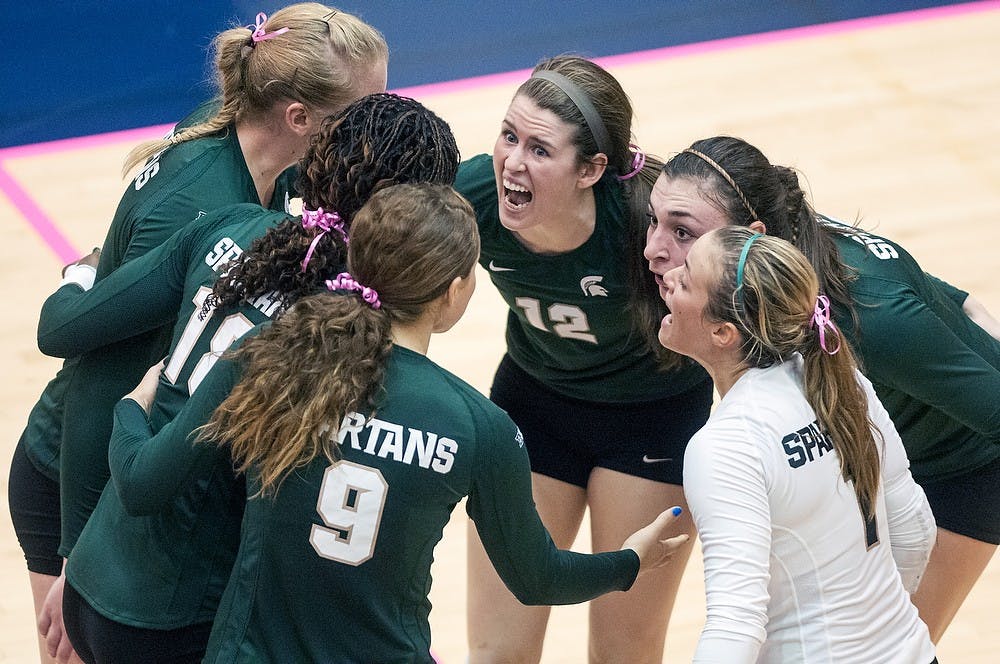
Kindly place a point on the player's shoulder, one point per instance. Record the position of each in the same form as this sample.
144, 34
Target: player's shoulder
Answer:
763, 400
475, 169
477, 182
206, 225
173, 188
864, 249
193, 154
236, 214
445, 387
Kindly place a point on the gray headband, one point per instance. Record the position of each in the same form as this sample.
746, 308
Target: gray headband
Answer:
583, 103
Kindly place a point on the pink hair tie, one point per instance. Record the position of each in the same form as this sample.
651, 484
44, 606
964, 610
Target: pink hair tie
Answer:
326, 222
638, 161
345, 281
259, 33
821, 321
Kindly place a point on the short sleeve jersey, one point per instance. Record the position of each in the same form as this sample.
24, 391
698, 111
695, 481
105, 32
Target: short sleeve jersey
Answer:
793, 570
174, 189
164, 565
935, 370
568, 324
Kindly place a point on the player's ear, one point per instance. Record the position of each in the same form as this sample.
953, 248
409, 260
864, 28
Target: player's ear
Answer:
758, 227
592, 170
725, 336
452, 295
297, 118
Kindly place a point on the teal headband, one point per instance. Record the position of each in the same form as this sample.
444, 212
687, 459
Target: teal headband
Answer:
742, 262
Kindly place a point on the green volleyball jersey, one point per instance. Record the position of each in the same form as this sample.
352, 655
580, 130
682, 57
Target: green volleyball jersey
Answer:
568, 325
934, 369
174, 189
147, 293
336, 565
163, 565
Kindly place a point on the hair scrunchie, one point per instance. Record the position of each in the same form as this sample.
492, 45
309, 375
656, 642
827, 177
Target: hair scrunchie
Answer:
638, 161
345, 281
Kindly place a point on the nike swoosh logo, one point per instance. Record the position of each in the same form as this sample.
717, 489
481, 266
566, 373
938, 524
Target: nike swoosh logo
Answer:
646, 459
497, 268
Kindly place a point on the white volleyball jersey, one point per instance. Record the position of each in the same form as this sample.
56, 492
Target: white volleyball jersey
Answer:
793, 573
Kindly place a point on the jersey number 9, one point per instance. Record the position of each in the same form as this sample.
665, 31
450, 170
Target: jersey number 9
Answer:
350, 502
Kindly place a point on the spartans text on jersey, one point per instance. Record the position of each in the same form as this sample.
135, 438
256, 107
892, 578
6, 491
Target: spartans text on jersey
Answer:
806, 444
388, 441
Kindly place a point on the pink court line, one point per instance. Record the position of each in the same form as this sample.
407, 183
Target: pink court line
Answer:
39, 221
58, 243
43, 225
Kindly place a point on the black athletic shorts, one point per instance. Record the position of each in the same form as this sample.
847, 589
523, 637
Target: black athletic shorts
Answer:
968, 504
34, 511
99, 639
567, 438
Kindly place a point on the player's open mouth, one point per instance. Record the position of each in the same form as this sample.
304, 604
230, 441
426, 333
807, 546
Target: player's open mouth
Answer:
515, 195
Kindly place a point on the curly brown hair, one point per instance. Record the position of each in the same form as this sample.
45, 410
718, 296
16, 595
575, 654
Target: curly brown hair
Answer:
327, 356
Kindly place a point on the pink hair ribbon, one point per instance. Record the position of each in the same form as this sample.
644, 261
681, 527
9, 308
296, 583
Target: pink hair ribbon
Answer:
638, 161
326, 222
822, 322
259, 33
345, 281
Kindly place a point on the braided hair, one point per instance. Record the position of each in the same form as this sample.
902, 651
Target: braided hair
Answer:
328, 355
378, 141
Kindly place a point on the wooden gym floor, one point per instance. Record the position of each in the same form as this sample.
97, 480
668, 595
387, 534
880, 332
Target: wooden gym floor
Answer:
891, 119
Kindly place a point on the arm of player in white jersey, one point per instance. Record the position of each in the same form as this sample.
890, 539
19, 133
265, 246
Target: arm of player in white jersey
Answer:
911, 524
725, 489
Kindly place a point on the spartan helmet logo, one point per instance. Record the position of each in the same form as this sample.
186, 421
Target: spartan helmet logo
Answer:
592, 285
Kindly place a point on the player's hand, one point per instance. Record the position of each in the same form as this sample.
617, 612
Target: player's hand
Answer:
145, 391
50, 625
651, 543
91, 259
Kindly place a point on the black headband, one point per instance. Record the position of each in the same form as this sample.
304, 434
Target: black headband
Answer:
582, 102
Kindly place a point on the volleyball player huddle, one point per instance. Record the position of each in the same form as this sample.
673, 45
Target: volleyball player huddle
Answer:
274, 490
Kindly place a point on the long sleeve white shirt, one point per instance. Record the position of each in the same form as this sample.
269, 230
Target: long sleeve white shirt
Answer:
792, 571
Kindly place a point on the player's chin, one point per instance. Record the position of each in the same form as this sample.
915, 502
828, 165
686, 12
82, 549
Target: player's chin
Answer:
516, 218
664, 333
